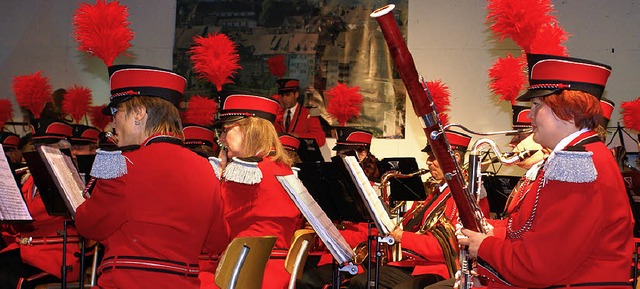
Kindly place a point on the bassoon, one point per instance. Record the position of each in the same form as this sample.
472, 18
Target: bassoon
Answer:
468, 211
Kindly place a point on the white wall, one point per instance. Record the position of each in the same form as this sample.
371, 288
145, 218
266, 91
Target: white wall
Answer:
448, 40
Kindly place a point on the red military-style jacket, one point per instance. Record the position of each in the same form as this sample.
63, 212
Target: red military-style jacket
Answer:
563, 231
162, 213
46, 257
302, 124
264, 209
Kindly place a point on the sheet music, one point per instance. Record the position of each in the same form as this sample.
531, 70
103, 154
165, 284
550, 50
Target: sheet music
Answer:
65, 175
12, 205
326, 230
378, 213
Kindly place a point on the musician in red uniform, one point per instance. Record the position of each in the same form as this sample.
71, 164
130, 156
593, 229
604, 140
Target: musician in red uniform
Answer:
574, 226
34, 250
294, 118
255, 204
426, 262
157, 207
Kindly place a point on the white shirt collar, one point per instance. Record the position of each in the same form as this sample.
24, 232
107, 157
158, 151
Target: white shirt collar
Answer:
293, 110
565, 141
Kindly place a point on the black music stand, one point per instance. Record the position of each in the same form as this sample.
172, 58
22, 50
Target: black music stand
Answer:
49, 191
498, 190
403, 189
333, 189
309, 151
632, 183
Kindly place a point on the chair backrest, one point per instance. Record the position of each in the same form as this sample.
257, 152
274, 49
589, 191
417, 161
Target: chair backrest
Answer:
298, 252
243, 262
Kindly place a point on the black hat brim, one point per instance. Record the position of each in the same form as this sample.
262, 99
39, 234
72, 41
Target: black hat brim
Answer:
531, 94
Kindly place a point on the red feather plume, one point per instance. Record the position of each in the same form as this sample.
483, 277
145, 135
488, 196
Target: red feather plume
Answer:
200, 111
344, 102
97, 118
215, 58
102, 29
508, 77
631, 114
440, 94
550, 40
76, 102
277, 66
519, 20
6, 111
32, 92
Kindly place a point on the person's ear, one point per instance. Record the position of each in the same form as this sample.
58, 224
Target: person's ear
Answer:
139, 113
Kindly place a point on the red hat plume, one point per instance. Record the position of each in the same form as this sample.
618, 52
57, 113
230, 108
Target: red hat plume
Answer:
277, 66
200, 111
97, 118
6, 111
76, 102
32, 92
215, 58
508, 77
520, 20
440, 94
631, 114
550, 40
102, 29
344, 102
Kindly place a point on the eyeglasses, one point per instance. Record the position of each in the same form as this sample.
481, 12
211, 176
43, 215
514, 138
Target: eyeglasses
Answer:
114, 110
226, 128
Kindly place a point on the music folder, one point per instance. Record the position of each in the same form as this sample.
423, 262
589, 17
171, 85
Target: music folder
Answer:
12, 205
57, 179
403, 189
322, 225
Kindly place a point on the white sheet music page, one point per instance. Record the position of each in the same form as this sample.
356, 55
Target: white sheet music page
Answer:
65, 175
326, 230
374, 205
12, 205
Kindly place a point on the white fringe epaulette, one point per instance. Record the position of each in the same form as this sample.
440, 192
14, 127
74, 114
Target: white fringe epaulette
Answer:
570, 166
243, 172
295, 171
109, 165
215, 163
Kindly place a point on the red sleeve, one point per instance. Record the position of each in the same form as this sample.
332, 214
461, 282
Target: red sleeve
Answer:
425, 245
102, 214
219, 235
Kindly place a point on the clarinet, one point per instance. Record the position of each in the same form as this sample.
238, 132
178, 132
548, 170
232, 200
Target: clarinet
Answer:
469, 213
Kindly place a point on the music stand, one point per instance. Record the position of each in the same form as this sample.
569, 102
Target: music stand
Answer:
51, 197
498, 190
13, 208
632, 184
309, 151
334, 191
403, 189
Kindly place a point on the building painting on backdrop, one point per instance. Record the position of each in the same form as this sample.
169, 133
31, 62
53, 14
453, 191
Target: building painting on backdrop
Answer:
324, 42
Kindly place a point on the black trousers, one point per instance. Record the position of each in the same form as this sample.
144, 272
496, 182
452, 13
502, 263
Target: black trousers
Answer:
446, 284
395, 278
12, 269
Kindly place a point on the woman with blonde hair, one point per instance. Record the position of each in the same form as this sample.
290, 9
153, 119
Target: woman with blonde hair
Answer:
255, 204
155, 208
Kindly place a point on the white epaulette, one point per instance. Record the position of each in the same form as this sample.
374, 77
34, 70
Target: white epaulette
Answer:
243, 172
570, 166
109, 164
215, 163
